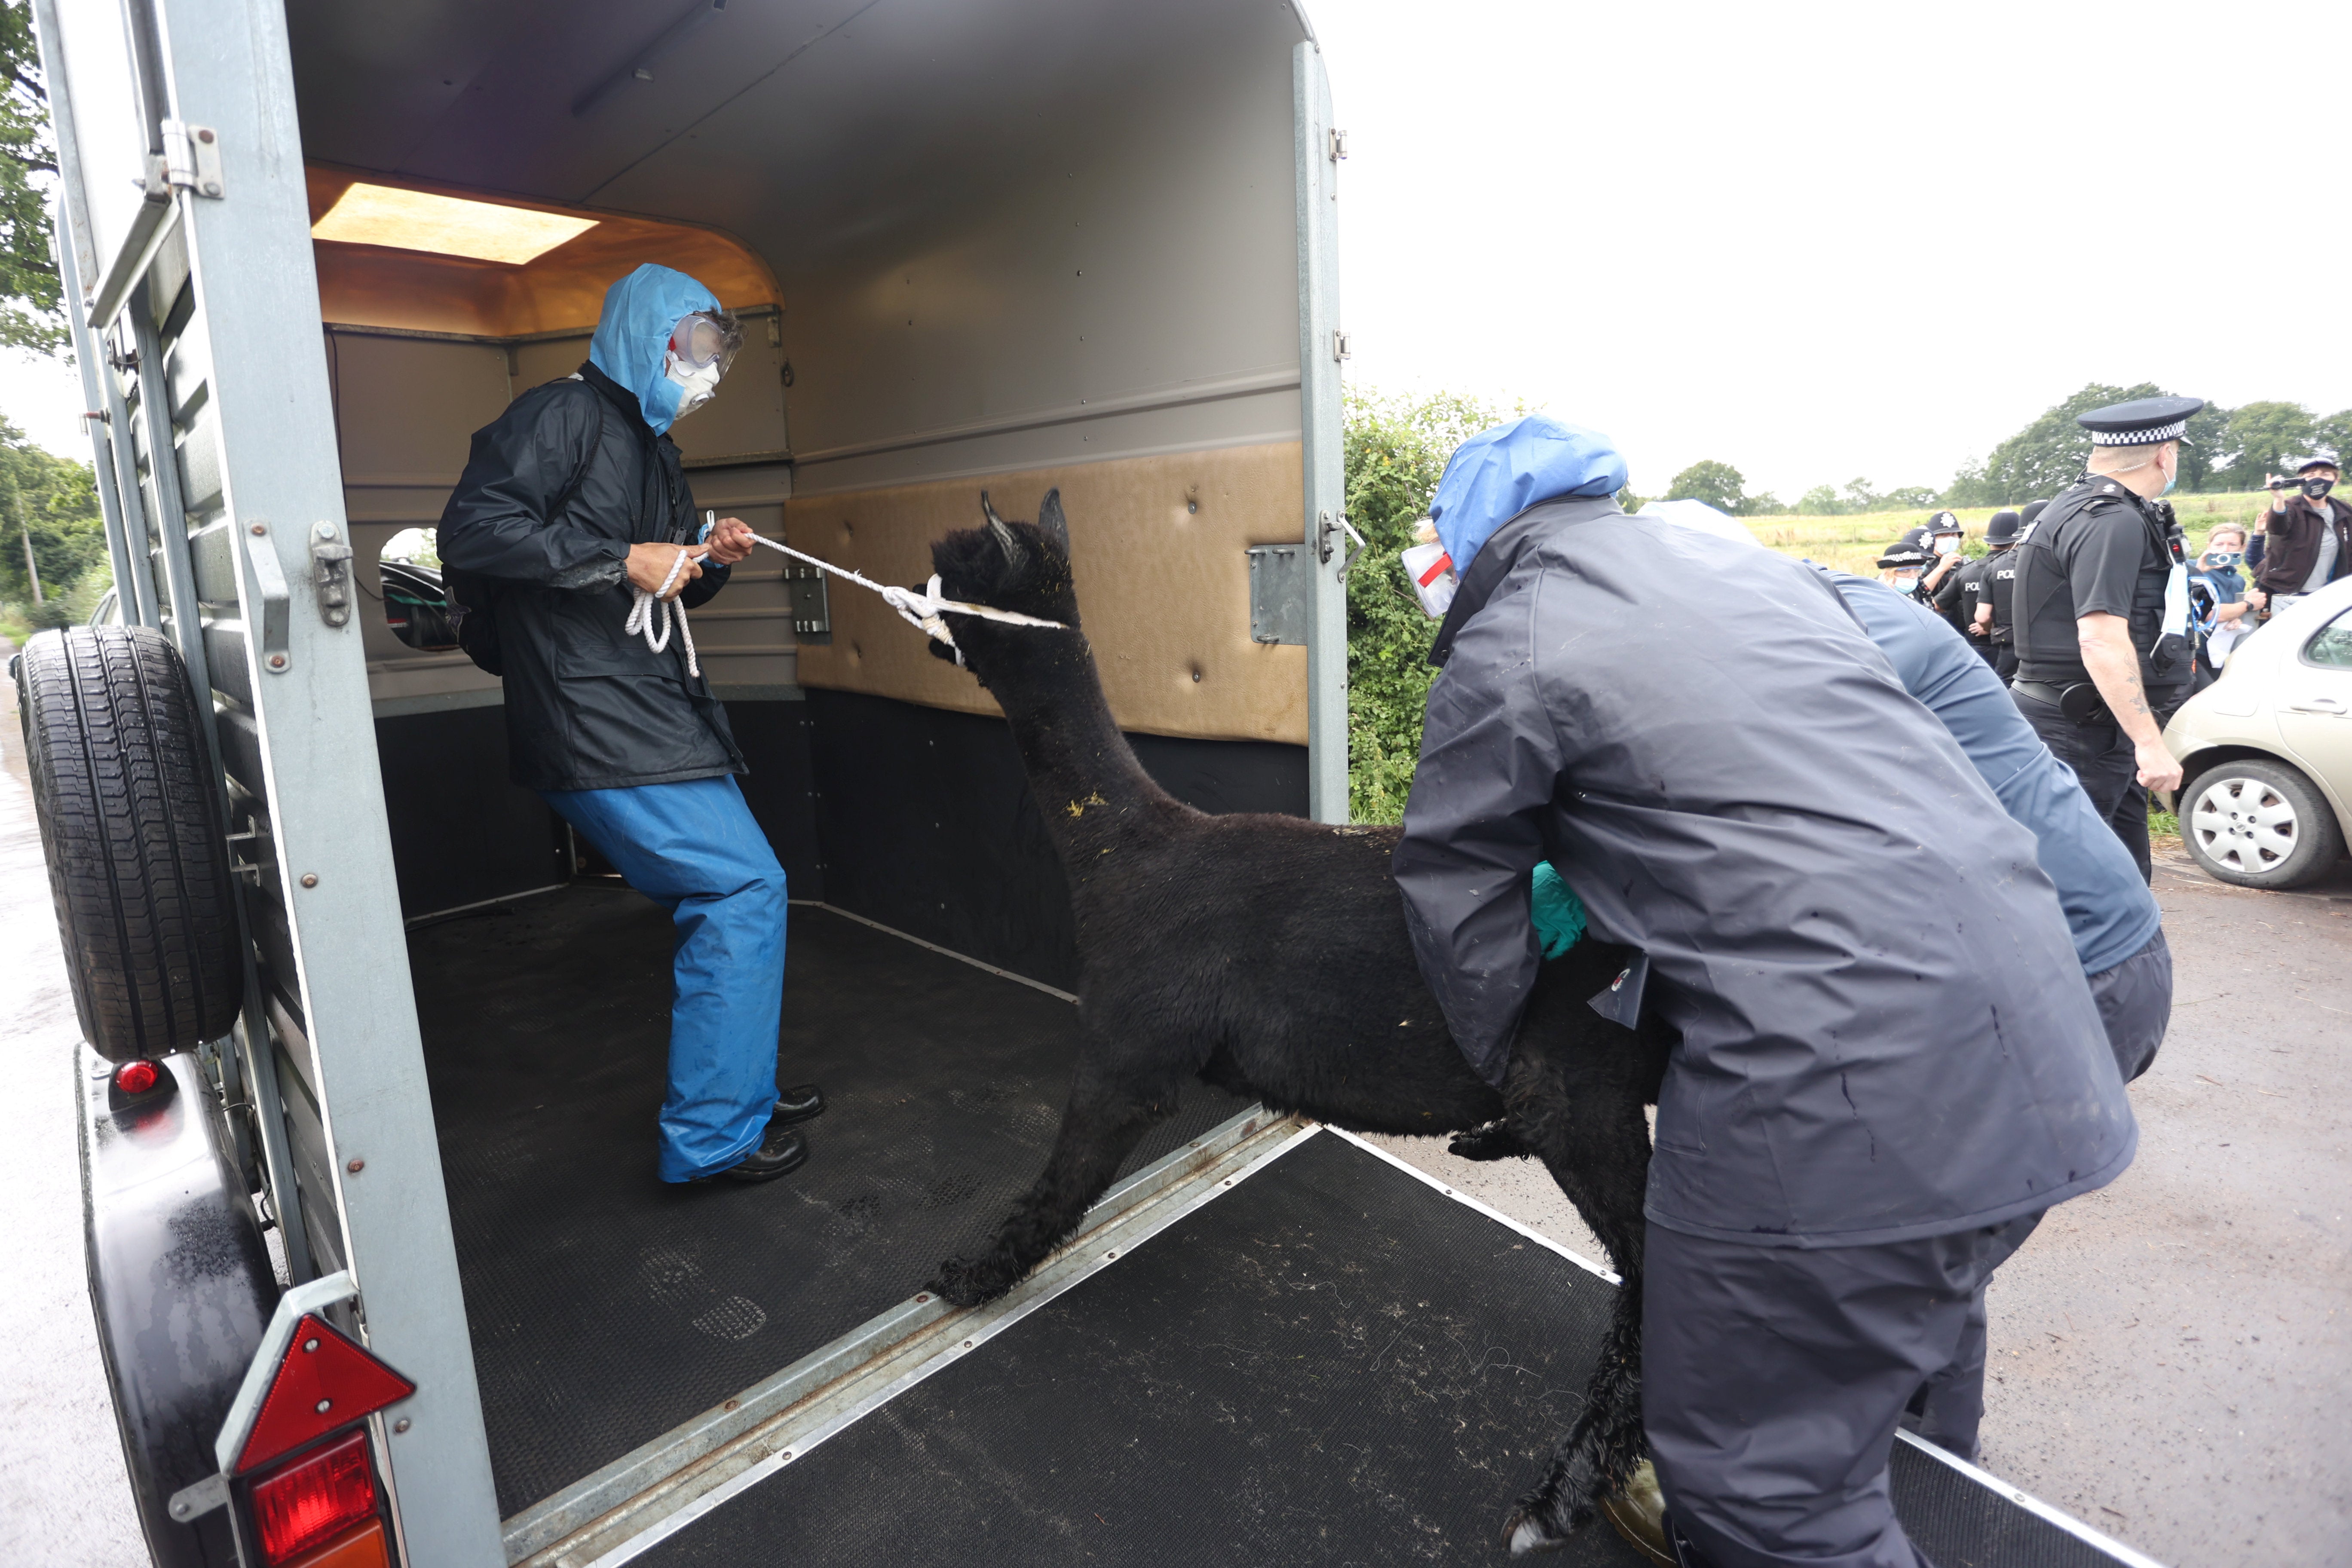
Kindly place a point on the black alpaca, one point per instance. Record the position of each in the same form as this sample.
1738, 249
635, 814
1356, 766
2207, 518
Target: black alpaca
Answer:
1191, 933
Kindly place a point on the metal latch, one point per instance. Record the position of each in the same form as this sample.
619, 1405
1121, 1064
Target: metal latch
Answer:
1279, 584
276, 599
192, 158
333, 558
1338, 145
1342, 347
1328, 523
812, 609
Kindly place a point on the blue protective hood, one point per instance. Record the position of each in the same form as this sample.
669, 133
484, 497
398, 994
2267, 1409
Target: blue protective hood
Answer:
640, 311
1497, 474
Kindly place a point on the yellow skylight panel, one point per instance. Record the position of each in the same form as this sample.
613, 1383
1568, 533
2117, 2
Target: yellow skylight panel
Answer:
445, 225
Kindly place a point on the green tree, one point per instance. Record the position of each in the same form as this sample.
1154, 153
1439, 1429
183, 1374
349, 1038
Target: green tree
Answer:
2334, 434
2205, 450
1719, 485
1910, 498
1766, 505
1821, 501
2046, 456
1396, 449
53, 503
2267, 438
29, 316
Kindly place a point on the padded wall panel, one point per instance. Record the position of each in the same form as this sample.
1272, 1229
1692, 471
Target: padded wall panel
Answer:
780, 786
925, 822
1159, 547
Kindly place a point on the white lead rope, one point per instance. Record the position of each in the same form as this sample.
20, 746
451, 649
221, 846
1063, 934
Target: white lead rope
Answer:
651, 613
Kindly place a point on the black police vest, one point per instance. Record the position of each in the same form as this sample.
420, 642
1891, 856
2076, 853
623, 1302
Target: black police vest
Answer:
2049, 644
2000, 583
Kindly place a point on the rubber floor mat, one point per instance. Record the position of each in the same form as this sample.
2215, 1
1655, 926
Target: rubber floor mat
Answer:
1332, 1365
606, 1308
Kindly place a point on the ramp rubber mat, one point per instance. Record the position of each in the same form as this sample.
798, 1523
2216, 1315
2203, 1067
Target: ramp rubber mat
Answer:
1333, 1364
606, 1308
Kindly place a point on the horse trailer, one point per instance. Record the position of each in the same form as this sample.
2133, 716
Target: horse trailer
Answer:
380, 1269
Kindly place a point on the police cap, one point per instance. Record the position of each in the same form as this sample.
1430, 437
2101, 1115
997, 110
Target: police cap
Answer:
2002, 529
2143, 422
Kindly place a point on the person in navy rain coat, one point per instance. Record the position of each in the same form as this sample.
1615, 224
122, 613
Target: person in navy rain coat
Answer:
1890, 1062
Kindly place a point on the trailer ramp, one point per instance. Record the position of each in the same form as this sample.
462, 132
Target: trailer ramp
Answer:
1319, 1356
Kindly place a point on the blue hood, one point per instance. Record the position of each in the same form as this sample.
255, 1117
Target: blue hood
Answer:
640, 313
1497, 474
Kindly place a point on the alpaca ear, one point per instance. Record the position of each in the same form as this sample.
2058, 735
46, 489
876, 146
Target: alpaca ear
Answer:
1016, 555
1053, 525
987, 511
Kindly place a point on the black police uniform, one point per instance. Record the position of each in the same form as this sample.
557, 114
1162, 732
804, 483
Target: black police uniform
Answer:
1957, 599
2000, 585
2100, 549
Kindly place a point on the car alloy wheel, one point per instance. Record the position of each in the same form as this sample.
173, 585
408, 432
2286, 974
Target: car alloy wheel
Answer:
2244, 824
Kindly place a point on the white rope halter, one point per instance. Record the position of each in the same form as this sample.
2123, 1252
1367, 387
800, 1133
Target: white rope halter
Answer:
653, 616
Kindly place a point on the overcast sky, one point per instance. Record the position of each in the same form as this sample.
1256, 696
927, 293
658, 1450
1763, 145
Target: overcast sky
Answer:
1818, 241
1814, 241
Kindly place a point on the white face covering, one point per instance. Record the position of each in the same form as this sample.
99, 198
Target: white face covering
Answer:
695, 386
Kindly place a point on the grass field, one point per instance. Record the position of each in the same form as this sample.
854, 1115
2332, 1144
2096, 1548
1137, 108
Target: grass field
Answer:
1855, 544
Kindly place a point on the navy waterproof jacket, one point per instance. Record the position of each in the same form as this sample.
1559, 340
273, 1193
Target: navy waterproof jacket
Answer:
1885, 1031
555, 491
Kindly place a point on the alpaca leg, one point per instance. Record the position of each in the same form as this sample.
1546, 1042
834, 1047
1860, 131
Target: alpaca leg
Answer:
1100, 1128
1581, 1112
1495, 1141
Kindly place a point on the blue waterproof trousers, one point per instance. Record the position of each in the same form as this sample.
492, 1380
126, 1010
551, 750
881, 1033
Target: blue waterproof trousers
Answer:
694, 849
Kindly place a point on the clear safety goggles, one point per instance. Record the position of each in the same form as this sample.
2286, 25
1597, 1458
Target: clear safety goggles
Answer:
705, 339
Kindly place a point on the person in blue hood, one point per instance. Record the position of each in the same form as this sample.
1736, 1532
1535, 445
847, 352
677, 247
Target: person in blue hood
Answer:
1889, 1061
575, 503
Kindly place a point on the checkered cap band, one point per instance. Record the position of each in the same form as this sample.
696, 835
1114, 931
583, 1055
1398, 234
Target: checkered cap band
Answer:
2171, 431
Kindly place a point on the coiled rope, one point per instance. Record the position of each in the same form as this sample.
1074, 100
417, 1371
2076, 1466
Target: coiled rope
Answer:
653, 616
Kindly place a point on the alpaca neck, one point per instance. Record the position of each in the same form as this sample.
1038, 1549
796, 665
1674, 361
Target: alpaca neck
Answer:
1084, 773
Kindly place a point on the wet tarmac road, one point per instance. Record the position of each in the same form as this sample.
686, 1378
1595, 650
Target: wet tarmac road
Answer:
2171, 1355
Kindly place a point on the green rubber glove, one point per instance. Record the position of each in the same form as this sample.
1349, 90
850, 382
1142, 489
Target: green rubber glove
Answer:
1558, 912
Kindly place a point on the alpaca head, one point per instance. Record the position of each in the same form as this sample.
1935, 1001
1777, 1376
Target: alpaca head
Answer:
1007, 565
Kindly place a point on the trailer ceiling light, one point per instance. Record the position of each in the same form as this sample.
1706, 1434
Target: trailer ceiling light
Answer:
444, 226
135, 1078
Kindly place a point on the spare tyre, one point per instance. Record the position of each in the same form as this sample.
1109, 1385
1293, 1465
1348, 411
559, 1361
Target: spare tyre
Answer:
130, 822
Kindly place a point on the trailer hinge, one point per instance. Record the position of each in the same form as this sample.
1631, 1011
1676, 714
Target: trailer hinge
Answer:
269, 578
1341, 347
333, 558
1338, 145
192, 158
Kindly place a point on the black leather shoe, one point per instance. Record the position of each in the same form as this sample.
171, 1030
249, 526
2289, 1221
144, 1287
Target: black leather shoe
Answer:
797, 1104
779, 1153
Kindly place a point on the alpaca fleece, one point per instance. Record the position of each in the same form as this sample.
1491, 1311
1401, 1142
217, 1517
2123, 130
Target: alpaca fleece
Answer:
1268, 956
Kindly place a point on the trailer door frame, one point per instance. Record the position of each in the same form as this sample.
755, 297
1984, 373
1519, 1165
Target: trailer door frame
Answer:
247, 404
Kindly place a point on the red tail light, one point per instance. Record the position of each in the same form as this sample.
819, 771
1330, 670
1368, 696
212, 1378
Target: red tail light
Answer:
314, 1500
135, 1078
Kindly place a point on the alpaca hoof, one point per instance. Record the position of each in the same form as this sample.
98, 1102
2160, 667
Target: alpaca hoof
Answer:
1493, 1141
963, 1283
1524, 1537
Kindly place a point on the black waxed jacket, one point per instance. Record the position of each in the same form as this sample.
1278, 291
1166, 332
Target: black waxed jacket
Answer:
555, 491
1885, 1030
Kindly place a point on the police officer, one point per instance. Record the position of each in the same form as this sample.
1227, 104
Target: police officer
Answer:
1962, 596
2102, 614
2000, 628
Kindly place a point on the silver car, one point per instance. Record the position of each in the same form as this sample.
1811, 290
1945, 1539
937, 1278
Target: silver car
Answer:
2267, 751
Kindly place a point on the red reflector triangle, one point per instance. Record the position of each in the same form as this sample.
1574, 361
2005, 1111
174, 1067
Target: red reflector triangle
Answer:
324, 1382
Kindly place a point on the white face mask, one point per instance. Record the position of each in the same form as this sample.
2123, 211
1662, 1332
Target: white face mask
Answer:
695, 386
1906, 580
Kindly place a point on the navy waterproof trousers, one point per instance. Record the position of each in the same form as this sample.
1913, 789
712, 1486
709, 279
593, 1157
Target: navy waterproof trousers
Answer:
1773, 1379
694, 849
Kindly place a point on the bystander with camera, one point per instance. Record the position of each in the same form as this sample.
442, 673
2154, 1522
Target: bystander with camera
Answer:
2306, 535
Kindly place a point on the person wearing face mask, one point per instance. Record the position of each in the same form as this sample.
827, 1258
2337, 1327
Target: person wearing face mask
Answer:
572, 500
2217, 598
2307, 535
2101, 602
1888, 1060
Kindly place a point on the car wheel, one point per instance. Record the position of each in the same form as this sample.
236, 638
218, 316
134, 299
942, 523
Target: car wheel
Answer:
2256, 822
130, 825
